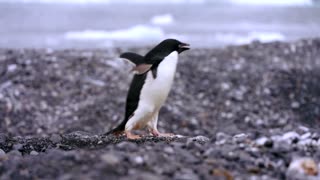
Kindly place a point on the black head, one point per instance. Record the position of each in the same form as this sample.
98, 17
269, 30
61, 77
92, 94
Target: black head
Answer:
173, 45
165, 48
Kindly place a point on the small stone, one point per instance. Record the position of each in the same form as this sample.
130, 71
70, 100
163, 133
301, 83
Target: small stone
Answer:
34, 153
199, 139
290, 136
110, 159
305, 136
168, 150
138, 160
295, 105
261, 141
17, 146
2, 152
128, 146
55, 138
14, 153
12, 67
186, 174
302, 166
2, 155
3, 138
240, 137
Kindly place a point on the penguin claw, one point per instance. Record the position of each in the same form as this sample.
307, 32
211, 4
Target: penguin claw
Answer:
132, 136
158, 134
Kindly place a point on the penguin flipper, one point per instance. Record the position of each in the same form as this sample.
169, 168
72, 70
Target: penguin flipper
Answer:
141, 68
133, 58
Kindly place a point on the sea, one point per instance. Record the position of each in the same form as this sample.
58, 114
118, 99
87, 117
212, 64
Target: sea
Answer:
60, 24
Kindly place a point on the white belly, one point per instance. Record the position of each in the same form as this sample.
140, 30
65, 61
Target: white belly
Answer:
154, 91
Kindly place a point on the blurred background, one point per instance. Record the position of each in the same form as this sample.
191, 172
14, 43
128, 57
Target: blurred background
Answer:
126, 23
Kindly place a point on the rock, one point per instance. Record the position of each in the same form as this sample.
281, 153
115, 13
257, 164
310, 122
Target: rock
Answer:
11, 67
55, 138
34, 153
264, 141
222, 136
199, 139
137, 160
2, 155
128, 146
295, 105
3, 138
14, 153
186, 174
305, 136
17, 146
142, 175
110, 159
301, 168
289, 136
168, 150
240, 137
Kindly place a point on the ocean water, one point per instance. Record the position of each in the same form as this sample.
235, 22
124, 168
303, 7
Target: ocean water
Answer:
110, 23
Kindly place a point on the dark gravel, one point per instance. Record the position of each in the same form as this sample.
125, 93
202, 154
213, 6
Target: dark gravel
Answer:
246, 112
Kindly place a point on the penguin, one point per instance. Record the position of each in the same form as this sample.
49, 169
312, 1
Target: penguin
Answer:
151, 84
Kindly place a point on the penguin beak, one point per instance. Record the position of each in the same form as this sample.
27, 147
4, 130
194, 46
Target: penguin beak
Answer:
183, 47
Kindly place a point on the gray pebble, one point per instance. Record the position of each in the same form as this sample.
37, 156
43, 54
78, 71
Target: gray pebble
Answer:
110, 159
17, 146
168, 150
2, 155
34, 153
3, 138
55, 138
200, 139
129, 146
14, 153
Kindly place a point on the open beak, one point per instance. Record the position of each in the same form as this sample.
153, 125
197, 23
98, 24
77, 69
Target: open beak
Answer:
184, 47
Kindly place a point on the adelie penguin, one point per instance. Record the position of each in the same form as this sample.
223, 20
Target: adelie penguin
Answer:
154, 74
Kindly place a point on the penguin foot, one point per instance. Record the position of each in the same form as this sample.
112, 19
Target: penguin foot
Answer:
158, 134
132, 136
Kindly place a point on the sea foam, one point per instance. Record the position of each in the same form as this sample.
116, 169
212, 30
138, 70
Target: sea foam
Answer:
232, 38
135, 33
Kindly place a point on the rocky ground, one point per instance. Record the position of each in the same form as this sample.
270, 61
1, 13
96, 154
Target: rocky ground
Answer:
245, 112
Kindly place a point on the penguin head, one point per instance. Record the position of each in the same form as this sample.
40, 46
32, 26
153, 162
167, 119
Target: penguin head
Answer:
174, 45
163, 49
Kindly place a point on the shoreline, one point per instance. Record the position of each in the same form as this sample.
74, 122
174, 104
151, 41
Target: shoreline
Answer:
248, 112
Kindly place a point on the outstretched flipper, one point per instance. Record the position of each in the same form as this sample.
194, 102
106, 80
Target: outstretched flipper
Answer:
138, 60
133, 58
